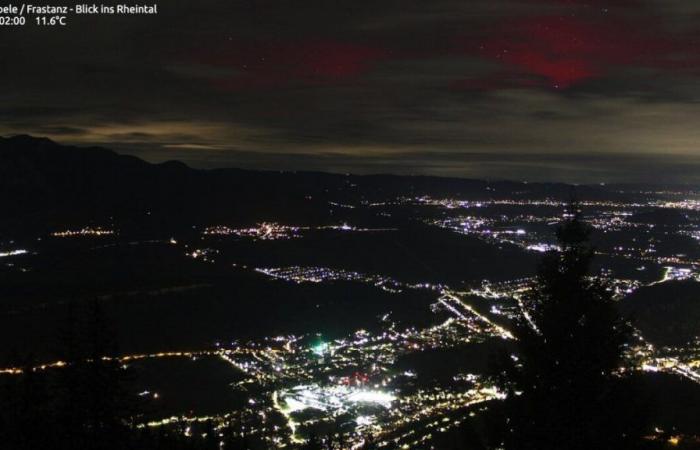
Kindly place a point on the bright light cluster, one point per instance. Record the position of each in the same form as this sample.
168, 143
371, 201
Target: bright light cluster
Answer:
86, 231
7, 253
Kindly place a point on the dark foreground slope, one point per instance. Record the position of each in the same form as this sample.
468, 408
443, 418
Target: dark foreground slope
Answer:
666, 313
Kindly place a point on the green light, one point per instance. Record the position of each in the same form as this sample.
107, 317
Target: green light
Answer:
320, 349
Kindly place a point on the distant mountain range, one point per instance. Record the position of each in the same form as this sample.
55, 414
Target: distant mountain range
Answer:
44, 185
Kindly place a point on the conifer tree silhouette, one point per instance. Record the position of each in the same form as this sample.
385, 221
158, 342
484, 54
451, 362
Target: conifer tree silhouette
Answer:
563, 384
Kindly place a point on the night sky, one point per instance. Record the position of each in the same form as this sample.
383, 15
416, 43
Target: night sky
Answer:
577, 91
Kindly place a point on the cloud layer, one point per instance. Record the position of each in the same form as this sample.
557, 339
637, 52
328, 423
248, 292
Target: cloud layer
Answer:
566, 90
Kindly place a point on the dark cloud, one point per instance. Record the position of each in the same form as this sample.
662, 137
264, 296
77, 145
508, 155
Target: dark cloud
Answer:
571, 90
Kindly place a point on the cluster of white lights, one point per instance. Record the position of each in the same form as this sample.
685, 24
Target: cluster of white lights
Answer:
332, 398
12, 253
87, 231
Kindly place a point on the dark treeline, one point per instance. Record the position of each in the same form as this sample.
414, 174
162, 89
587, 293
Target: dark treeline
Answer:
90, 403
